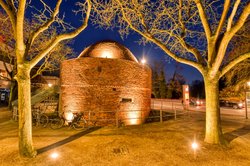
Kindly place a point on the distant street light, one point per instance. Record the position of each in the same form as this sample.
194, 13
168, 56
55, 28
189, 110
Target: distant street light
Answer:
248, 83
143, 61
50, 85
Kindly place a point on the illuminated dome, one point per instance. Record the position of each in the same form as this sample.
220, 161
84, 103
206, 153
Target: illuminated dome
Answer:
108, 49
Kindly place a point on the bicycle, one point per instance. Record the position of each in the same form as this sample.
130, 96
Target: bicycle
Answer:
78, 122
39, 118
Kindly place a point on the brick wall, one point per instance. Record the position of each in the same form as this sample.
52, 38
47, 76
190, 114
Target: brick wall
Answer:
102, 84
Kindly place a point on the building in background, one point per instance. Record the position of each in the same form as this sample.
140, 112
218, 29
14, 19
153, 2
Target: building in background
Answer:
6, 62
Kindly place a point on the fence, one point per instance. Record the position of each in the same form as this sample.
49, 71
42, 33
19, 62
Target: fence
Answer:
161, 109
168, 107
117, 118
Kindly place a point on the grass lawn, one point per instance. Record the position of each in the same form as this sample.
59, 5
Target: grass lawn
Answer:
153, 144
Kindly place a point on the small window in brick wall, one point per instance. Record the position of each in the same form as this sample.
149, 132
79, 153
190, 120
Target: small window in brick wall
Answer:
126, 100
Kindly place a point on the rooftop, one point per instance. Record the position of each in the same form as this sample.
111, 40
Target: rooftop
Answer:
108, 49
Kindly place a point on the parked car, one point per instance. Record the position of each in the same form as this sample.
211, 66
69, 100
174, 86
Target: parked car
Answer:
197, 102
233, 104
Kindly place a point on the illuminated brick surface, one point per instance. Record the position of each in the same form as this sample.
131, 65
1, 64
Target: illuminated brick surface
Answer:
95, 84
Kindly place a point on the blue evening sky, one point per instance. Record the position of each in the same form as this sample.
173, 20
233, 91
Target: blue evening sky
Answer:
150, 51
92, 35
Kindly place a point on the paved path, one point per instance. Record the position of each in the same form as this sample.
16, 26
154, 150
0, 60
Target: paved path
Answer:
5, 114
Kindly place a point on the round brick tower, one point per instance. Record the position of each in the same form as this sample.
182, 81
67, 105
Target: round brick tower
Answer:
107, 84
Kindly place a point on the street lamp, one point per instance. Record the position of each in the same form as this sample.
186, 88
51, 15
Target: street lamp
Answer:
247, 96
107, 54
248, 83
143, 61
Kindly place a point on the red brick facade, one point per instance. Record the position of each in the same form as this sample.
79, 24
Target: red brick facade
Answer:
104, 84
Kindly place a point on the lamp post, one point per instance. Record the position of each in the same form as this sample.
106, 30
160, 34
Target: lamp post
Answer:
143, 61
185, 93
247, 97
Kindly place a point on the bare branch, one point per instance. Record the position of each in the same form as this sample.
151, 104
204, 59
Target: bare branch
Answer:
180, 19
234, 62
10, 14
175, 57
186, 46
228, 36
230, 19
62, 37
223, 18
6, 68
203, 18
46, 25
241, 21
151, 38
12, 5
40, 69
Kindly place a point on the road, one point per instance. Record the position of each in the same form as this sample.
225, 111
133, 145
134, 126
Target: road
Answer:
223, 110
176, 104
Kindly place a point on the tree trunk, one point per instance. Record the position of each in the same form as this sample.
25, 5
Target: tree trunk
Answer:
13, 93
213, 133
24, 107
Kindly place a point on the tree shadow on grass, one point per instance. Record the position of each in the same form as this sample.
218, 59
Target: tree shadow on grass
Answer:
230, 136
67, 140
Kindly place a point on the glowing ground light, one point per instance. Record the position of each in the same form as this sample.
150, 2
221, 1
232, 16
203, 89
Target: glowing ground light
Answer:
194, 146
54, 155
50, 85
134, 117
69, 116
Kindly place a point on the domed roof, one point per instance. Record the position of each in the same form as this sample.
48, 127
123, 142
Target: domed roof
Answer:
108, 49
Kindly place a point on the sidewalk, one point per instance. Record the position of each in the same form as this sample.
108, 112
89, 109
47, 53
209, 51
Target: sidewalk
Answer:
5, 114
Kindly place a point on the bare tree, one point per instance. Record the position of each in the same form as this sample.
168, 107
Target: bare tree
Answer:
237, 77
7, 49
46, 18
193, 32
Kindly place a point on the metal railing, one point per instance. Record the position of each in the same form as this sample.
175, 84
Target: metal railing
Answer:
161, 110
169, 107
